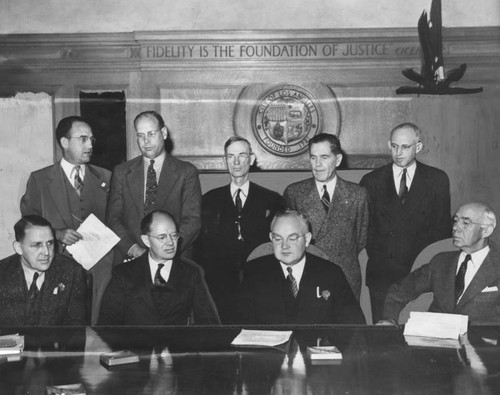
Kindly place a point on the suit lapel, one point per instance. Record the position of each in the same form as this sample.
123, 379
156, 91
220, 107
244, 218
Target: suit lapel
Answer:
49, 299
135, 181
447, 294
316, 211
145, 283
167, 181
57, 190
19, 288
413, 199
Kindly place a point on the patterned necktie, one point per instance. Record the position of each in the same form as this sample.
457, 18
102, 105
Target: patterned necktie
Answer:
78, 179
460, 278
159, 280
292, 282
151, 188
403, 188
325, 199
32, 313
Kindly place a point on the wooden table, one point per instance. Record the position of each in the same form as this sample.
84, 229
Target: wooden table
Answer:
200, 360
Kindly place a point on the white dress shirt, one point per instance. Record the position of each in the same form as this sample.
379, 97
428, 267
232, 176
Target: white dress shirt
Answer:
398, 173
165, 270
297, 270
243, 194
330, 187
69, 170
477, 259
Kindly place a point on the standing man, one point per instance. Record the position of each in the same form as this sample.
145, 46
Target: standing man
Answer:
157, 288
235, 220
337, 209
292, 286
39, 287
69, 191
409, 209
153, 181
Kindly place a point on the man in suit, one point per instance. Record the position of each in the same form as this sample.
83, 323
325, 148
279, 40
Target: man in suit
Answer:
292, 286
465, 282
157, 288
409, 209
38, 286
67, 192
152, 181
235, 220
337, 209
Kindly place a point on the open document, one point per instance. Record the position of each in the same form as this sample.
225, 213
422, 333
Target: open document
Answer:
256, 338
97, 241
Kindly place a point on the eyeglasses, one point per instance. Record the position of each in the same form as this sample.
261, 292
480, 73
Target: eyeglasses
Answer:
84, 139
293, 239
465, 222
404, 147
164, 237
241, 157
149, 135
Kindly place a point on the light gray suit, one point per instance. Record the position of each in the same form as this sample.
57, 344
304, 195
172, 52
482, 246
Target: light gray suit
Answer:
341, 233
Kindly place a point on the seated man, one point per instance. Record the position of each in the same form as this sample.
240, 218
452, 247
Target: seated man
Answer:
292, 286
156, 288
37, 286
465, 282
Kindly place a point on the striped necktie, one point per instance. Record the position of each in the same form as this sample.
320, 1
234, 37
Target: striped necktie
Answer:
325, 199
78, 183
292, 282
151, 188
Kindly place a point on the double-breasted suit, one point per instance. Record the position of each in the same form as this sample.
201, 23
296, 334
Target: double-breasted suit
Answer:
129, 300
63, 293
47, 195
178, 193
341, 233
480, 301
398, 232
220, 251
324, 295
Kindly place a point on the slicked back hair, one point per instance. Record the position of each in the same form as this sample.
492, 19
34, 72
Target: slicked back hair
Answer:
407, 125
304, 221
65, 125
327, 138
150, 114
234, 139
29, 221
149, 218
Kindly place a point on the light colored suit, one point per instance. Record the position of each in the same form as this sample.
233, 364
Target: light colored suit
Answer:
341, 233
179, 194
480, 301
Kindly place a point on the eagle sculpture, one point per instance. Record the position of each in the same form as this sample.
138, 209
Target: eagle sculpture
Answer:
432, 79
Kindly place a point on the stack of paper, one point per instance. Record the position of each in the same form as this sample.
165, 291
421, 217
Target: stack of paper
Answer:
435, 329
118, 358
66, 389
255, 338
11, 346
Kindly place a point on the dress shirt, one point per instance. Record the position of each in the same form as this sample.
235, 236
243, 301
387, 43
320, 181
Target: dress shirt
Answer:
165, 270
157, 166
69, 170
297, 270
28, 275
243, 194
477, 259
398, 173
330, 187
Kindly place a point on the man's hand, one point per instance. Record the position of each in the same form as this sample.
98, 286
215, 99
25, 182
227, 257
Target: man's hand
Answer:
68, 236
389, 322
136, 251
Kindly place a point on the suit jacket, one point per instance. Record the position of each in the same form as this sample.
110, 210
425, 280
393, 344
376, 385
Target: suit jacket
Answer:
65, 307
438, 277
266, 298
45, 194
128, 299
397, 233
179, 194
341, 233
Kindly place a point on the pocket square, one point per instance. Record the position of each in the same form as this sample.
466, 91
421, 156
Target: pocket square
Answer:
490, 289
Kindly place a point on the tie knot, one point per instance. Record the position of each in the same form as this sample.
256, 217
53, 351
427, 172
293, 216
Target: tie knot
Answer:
151, 163
160, 265
289, 270
467, 258
35, 276
324, 188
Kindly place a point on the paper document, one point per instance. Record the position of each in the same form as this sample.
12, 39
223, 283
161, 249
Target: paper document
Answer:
261, 338
97, 241
436, 325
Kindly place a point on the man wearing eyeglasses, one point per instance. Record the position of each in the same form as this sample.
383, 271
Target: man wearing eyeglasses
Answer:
409, 209
152, 181
67, 192
295, 287
235, 220
157, 288
465, 282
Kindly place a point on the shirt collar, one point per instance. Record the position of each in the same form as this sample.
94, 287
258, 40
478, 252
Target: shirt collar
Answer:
297, 269
158, 160
477, 257
165, 270
330, 186
28, 275
244, 189
68, 169
410, 171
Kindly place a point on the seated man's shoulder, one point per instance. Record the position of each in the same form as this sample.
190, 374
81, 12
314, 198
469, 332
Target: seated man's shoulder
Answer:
65, 263
100, 171
7, 263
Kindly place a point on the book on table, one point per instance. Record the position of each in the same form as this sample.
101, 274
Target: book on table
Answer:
118, 358
324, 353
11, 344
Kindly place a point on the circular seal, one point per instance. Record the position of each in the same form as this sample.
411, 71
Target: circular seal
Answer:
285, 118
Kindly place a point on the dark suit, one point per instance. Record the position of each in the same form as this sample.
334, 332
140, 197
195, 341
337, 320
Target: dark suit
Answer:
179, 194
396, 232
128, 299
438, 277
218, 249
46, 196
341, 233
65, 307
266, 298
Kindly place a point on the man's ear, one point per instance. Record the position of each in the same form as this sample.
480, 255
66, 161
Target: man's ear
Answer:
145, 240
252, 159
487, 231
17, 247
308, 237
64, 142
339, 160
419, 147
164, 132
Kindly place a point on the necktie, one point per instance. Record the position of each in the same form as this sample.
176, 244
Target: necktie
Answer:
403, 189
325, 199
292, 282
460, 278
159, 281
237, 202
78, 179
32, 313
151, 188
